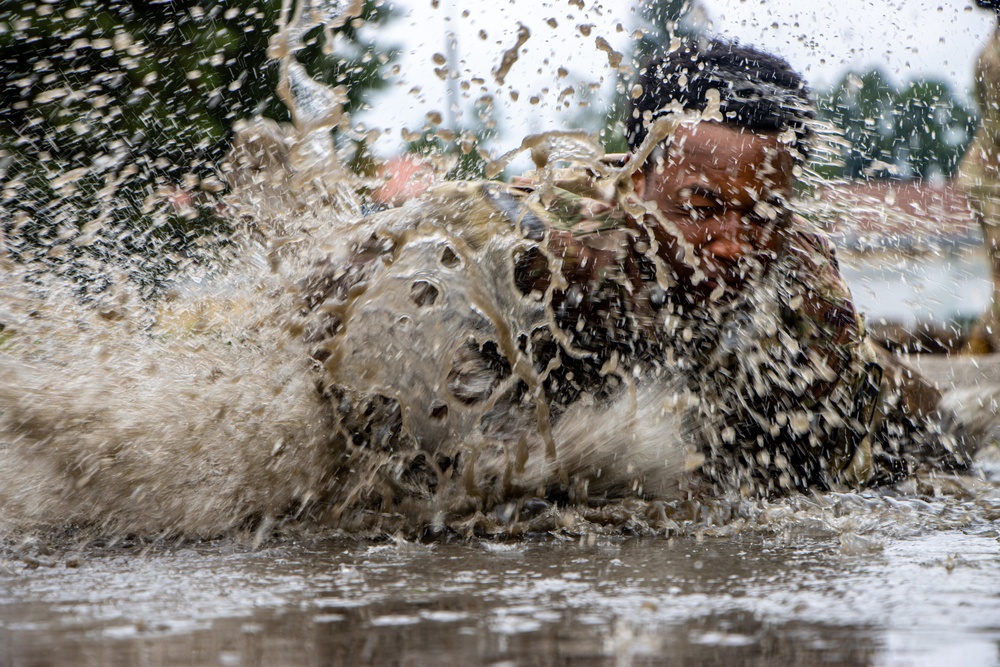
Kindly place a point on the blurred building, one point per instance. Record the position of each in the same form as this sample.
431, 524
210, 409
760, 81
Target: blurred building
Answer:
898, 215
912, 253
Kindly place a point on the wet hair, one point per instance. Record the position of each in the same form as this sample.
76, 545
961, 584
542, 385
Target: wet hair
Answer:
758, 91
989, 4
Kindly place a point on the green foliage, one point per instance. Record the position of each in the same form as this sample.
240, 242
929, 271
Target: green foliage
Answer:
659, 21
107, 107
612, 132
466, 162
918, 131
458, 146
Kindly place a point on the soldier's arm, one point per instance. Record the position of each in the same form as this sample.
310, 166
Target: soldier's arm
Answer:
821, 310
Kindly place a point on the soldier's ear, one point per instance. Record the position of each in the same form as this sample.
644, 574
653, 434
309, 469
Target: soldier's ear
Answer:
639, 182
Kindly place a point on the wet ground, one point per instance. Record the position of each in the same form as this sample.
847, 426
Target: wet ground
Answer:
931, 599
910, 577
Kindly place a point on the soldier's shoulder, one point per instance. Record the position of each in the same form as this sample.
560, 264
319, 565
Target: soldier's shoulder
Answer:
816, 287
806, 238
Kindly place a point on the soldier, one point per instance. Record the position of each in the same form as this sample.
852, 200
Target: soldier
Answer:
724, 282
980, 168
683, 273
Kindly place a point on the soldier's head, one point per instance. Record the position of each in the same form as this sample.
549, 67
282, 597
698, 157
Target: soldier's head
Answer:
722, 178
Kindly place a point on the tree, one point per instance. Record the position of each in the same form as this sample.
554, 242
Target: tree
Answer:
919, 131
659, 22
105, 105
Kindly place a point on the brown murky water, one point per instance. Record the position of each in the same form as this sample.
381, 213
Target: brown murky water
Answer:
209, 422
930, 598
887, 578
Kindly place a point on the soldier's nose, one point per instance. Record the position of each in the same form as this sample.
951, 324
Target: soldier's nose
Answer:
726, 247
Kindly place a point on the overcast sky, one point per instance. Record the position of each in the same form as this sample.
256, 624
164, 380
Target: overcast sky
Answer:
907, 38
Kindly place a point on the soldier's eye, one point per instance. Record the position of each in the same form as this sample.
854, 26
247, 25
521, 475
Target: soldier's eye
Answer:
704, 211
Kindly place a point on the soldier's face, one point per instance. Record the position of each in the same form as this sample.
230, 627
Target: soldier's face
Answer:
723, 190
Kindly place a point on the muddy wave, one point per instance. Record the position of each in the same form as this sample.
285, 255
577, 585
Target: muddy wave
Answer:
372, 385
327, 371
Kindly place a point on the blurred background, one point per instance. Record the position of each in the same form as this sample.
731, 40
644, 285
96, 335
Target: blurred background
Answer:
116, 118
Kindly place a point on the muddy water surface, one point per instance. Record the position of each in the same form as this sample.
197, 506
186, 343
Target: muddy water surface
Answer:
829, 581
209, 421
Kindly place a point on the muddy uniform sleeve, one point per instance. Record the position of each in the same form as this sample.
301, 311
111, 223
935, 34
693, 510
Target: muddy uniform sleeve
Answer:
820, 311
787, 404
841, 369
815, 367
893, 423
586, 270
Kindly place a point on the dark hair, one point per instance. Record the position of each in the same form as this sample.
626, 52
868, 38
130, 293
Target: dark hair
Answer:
757, 91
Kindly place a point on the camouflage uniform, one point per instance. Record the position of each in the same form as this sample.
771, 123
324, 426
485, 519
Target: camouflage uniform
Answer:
781, 386
980, 170
785, 388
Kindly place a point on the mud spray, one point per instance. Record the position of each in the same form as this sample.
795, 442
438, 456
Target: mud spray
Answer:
334, 372
326, 373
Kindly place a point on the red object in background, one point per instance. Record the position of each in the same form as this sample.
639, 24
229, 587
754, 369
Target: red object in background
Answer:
404, 177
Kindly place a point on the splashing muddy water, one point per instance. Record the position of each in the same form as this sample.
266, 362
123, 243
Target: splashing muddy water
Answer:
327, 370
381, 373
329, 377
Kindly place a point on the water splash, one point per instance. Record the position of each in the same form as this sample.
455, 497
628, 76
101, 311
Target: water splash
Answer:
360, 373
371, 375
